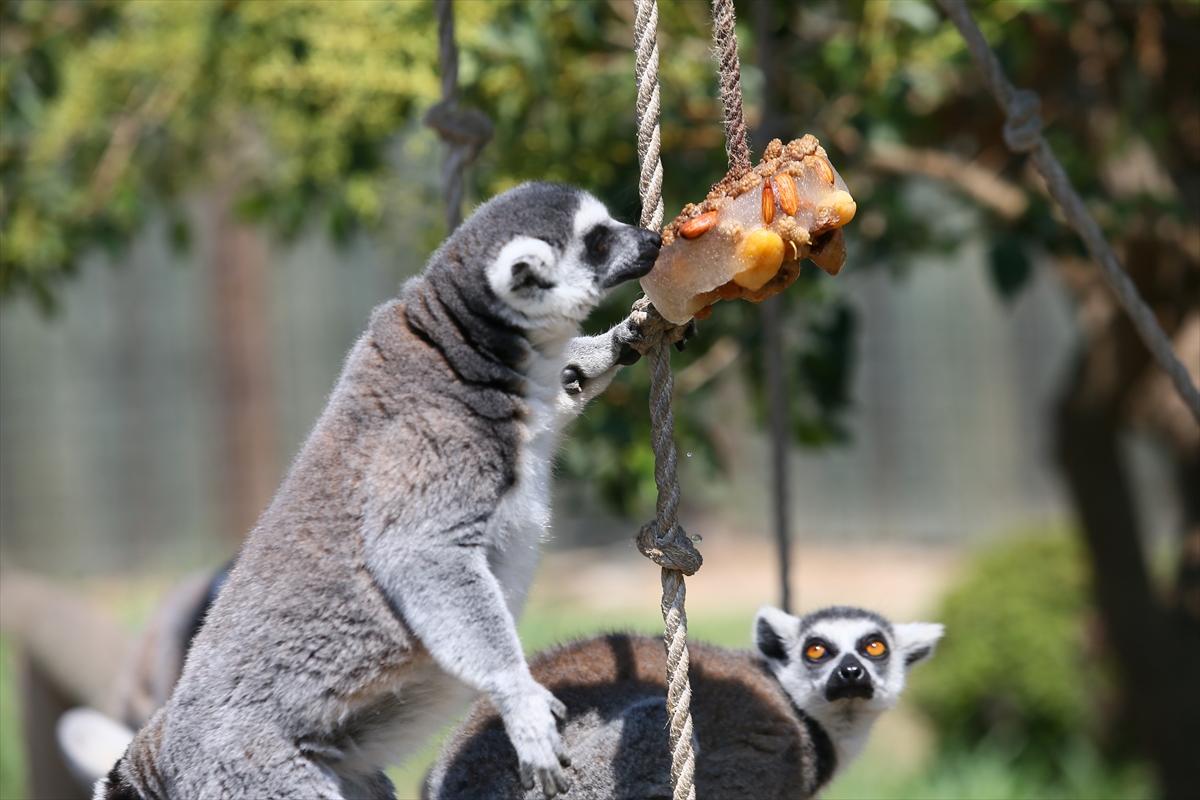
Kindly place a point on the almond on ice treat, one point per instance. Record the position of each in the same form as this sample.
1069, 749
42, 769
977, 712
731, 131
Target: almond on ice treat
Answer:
747, 238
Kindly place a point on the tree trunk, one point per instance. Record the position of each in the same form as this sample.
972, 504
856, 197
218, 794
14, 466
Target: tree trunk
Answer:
246, 397
1157, 649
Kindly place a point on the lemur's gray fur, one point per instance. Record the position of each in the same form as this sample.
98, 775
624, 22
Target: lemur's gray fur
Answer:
774, 724
381, 584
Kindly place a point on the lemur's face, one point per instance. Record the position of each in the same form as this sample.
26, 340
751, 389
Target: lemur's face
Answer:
545, 283
838, 660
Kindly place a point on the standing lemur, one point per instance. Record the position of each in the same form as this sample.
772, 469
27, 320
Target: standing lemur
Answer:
382, 583
775, 724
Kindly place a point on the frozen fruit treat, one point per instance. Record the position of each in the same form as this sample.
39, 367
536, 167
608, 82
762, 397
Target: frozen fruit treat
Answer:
747, 238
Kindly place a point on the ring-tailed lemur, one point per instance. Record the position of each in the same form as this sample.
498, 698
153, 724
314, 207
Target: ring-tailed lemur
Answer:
772, 724
385, 577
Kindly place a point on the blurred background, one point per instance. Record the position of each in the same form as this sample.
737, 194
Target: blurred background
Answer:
200, 203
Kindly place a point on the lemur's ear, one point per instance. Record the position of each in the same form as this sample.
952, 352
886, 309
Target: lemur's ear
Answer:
916, 640
775, 633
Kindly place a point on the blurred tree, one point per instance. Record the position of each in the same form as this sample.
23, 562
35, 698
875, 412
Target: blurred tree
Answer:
112, 109
115, 111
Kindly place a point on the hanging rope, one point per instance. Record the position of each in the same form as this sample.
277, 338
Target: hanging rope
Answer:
737, 146
464, 130
1023, 134
649, 138
663, 540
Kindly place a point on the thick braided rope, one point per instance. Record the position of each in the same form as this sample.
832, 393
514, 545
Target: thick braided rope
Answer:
663, 537
737, 146
649, 137
1023, 133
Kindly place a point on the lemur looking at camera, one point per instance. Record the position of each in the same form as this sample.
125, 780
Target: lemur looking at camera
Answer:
380, 587
773, 724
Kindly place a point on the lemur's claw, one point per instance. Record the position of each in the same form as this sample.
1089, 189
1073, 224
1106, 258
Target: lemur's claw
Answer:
572, 380
689, 331
628, 333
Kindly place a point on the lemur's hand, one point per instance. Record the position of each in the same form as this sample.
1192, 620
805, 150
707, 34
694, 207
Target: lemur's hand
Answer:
625, 336
629, 336
530, 721
592, 361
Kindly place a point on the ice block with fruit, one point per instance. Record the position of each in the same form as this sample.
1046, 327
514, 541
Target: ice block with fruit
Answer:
747, 238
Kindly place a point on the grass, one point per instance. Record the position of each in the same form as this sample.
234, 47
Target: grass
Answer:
898, 762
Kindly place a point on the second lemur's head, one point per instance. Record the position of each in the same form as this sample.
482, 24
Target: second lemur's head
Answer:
842, 666
550, 253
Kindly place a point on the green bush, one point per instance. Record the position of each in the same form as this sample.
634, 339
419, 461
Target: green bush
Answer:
1015, 670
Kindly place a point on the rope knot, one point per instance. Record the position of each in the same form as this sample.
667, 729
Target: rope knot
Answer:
465, 132
466, 127
654, 329
673, 551
1023, 127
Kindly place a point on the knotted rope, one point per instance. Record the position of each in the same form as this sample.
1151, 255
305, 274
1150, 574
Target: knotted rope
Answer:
1023, 134
663, 540
464, 130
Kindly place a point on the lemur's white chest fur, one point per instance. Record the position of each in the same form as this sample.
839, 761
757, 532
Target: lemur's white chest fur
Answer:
548, 294
522, 518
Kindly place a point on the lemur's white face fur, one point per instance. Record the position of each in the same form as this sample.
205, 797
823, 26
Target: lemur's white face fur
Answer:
544, 287
842, 666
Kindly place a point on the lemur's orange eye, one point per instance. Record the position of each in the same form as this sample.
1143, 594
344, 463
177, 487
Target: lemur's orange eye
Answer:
875, 648
815, 651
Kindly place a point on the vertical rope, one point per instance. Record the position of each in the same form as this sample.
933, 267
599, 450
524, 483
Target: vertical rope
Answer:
663, 539
465, 131
649, 137
447, 49
1023, 133
777, 406
664, 533
737, 146
679, 690
771, 313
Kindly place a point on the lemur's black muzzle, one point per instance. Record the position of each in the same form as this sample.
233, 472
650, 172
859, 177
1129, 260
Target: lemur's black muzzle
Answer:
646, 245
850, 679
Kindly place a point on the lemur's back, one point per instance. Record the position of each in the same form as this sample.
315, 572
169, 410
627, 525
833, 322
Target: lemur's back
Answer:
295, 680
751, 741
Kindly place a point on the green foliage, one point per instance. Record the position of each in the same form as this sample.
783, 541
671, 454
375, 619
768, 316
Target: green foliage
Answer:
117, 107
1016, 669
114, 108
